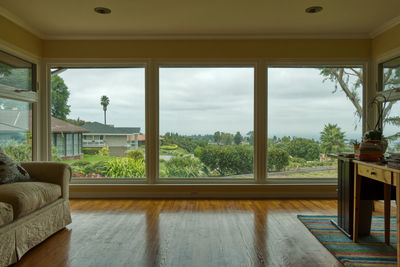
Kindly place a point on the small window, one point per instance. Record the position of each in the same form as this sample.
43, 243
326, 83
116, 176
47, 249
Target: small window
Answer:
16, 73
15, 129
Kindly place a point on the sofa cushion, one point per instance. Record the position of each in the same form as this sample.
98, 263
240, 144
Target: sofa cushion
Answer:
26, 197
10, 171
6, 213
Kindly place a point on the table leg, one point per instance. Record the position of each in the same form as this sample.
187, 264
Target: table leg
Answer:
398, 222
387, 197
356, 203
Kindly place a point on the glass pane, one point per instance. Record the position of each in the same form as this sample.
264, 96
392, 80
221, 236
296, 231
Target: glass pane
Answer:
391, 74
105, 108
206, 122
60, 148
391, 126
69, 145
15, 72
76, 144
309, 117
15, 129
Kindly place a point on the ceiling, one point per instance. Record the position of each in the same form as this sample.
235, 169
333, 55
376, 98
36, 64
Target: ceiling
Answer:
130, 19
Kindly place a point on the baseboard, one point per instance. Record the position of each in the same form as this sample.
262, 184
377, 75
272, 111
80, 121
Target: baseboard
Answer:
204, 191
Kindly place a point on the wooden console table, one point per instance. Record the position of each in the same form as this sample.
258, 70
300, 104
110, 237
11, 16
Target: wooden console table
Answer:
388, 177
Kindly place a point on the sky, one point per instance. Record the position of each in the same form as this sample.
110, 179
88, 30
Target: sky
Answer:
206, 100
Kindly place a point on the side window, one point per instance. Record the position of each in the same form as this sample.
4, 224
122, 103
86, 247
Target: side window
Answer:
17, 96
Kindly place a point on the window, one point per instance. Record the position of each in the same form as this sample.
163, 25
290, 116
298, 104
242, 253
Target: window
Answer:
17, 80
69, 144
16, 73
15, 129
104, 107
389, 84
206, 122
312, 112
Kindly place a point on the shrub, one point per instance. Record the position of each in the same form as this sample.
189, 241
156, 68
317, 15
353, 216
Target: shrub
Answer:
227, 160
135, 154
17, 151
100, 167
277, 158
126, 167
104, 151
307, 149
183, 166
54, 154
90, 150
170, 147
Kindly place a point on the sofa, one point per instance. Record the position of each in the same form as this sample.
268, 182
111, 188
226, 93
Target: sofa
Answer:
32, 211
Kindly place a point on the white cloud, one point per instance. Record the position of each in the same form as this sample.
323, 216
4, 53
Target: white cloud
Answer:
205, 100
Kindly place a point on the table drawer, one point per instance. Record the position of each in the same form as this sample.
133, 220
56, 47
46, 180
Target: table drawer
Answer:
375, 173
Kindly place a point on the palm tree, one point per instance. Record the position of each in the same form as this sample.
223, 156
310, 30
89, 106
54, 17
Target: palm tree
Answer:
332, 139
104, 101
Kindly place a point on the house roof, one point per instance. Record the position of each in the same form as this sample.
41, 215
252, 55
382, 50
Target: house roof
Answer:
100, 128
60, 126
21, 121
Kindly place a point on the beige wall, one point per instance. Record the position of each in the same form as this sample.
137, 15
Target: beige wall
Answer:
385, 42
190, 49
119, 140
19, 37
184, 49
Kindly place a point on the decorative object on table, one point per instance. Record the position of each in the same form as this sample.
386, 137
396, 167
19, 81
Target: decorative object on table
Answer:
370, 251
356, 145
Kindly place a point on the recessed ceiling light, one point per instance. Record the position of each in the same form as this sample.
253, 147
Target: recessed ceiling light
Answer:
314, 9
102, 10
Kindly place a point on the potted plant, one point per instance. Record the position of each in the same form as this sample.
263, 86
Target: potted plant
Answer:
374, 144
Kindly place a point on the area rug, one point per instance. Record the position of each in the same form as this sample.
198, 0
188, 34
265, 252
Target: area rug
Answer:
370, 251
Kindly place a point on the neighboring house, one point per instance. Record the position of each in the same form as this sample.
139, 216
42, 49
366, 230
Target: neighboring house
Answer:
16, 124
138, 140
67, 138
116, 138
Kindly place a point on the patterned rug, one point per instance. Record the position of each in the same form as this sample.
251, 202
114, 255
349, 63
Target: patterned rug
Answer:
370, 251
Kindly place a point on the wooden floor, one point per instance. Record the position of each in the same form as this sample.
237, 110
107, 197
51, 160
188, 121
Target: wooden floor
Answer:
186, 233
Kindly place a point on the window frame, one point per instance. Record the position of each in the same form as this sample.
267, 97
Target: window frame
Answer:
315, 64
260, 115
32, 97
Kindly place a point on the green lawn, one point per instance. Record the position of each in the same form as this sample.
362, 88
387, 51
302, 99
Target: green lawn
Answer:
316, 174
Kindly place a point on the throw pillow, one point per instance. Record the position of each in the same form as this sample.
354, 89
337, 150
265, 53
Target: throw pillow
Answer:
10, 171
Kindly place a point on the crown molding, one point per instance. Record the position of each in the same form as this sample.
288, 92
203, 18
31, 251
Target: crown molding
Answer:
206, 37
13, 18
384, 27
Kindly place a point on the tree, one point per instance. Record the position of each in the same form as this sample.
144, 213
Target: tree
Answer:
307, 149
104, 101
332, 139
238, 138
250, 137
226, 139
277, 159
217, 137
59, 98
350, 81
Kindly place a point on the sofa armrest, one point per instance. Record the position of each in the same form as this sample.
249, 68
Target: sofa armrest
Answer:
50, 172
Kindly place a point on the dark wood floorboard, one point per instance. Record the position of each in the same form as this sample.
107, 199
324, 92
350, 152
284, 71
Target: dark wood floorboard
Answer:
186, 233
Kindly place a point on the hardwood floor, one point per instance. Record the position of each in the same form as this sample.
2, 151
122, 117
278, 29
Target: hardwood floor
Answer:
186, 233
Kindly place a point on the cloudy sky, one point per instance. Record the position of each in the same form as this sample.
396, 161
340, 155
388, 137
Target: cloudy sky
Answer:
205, 100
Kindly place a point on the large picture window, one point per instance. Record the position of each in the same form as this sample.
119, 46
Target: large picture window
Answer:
98, 120
312, 112
206, 122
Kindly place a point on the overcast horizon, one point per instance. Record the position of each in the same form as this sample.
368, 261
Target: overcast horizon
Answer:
206, 100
